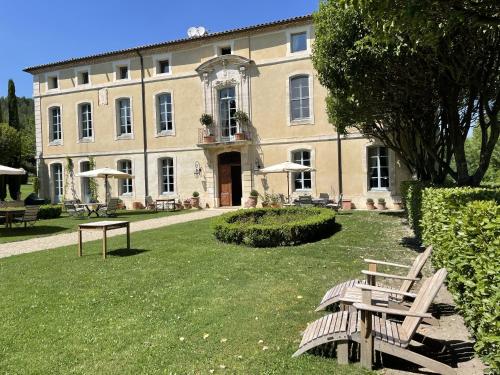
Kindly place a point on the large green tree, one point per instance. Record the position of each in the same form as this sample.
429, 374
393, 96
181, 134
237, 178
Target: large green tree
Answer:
419, 95
12, 106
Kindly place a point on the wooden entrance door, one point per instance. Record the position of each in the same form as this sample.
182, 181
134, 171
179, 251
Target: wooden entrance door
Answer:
225, 185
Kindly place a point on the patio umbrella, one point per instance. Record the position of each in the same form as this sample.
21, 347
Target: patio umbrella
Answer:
105, 173
11, 171
286, 167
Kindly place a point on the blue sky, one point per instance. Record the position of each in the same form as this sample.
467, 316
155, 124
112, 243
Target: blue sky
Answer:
35, 32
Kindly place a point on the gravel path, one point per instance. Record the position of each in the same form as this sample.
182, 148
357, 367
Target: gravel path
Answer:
66, 239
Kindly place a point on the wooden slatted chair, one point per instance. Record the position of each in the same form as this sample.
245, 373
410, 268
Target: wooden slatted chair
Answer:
30, 216
110, 209
335, 294
376, 333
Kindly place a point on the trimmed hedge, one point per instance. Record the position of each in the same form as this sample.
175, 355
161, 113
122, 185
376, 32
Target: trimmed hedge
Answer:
272, 227
49, 211
463, 225
411, 196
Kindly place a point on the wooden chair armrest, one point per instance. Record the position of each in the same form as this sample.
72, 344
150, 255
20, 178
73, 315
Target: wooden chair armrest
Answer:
377, 309
389, 276
385, 290
381, 262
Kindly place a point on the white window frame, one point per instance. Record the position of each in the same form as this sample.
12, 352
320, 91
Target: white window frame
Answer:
156, 114
160, 176
162, 57
298, 30
128, 181
54, 185
78, 72
378, 167
117, 117
311, 158
304, 121
224, 44
219, 117
48, 78
52, 141
79, 124
116, 70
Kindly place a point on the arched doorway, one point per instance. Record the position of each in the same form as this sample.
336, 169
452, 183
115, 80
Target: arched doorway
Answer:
230, 188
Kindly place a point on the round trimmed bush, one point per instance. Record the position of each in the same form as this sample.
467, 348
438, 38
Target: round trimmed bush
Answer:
271, 227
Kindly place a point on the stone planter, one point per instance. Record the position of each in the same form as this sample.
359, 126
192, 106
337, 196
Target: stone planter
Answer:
370, 206
252, 202
209, 139
179, 206
397, 205
265, 204
381, 206
346, 204
187, 205
275, 205
137, 206
239, 136
195, 202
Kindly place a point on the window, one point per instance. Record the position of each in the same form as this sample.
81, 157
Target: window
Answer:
55, 124
164, 113
53, 83
299, 98
227, 109
302, 180
123, 72
83, 78
378, 168
163, 66
85, 118
225, 50
57, 177
124, 116
167, 175
125, 184
298, 42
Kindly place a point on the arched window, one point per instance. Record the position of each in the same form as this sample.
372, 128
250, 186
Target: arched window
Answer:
164, 118
57, 178
167, 175
302, 180
85, 120
299, 98
55, 124
126, 187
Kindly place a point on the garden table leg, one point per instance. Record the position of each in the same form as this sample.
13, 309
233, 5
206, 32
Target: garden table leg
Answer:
79, 242
104, 243
128, 236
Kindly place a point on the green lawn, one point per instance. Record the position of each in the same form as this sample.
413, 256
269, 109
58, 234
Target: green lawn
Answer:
68, 224
180, 303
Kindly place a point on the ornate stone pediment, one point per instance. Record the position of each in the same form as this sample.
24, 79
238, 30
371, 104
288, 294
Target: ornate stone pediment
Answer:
223, 62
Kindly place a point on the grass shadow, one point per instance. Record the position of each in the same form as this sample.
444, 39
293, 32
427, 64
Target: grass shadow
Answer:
30, 231
126, 252
399, 213
412, 243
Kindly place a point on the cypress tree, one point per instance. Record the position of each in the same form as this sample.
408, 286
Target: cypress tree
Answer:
12, 106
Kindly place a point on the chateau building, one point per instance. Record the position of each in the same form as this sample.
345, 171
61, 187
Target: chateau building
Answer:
138, 110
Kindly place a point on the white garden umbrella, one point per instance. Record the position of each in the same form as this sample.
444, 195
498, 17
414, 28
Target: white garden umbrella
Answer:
105, 173
286, 167
11, 171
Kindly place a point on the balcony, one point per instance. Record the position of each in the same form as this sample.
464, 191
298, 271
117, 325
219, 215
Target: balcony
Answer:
218, 138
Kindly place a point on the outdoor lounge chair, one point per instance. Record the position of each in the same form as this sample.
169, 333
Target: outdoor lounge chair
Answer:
335, 294
30, 216
110, 209
376, 333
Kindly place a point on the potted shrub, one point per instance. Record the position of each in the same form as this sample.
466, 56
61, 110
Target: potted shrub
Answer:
178, 205
381, 204
397, 204
265, 200
207, 121
195, 200
242, 119
252, 199
187, 204
275, 200
370, 204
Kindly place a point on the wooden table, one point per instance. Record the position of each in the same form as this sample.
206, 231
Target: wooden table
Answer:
103, 226
169, 202
10, 213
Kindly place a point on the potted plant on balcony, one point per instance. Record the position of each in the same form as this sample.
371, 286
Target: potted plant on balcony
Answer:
252, 199
370, 204
195, 200
241, 118
381, 204
207, 121
187, 204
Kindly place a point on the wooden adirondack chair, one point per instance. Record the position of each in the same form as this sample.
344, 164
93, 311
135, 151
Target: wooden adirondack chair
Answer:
337, 293
375, 333
30, 216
